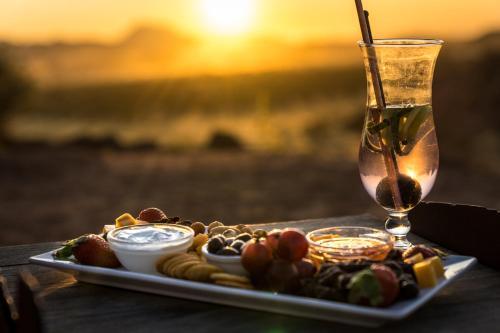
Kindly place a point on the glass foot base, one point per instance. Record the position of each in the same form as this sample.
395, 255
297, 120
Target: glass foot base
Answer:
398, 226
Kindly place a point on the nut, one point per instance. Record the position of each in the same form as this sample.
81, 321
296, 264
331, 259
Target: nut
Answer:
240, 227
228, 251
217, 230
186, 223
173, 219
245, 237
215, 244
238, 245
198, 227
259, 233
247, 230
231, 232
214, 224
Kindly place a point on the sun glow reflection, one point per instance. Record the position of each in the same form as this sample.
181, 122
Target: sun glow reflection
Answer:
228, 17
410, 172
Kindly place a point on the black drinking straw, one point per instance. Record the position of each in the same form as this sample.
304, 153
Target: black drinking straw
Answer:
390, 161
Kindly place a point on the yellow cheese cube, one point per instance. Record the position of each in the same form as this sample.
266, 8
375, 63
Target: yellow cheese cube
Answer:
415, 259
426, 276
437, 265
124, 219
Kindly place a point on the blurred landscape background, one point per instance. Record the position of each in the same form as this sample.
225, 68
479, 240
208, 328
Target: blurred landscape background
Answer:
243, 111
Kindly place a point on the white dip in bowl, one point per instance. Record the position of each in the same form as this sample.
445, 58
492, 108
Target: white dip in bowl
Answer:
139, 247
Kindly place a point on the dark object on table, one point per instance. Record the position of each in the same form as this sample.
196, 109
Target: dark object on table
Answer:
8, 313
29, 314
26, 318
468, 230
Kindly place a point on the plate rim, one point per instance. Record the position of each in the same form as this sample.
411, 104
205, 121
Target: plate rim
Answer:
405, 309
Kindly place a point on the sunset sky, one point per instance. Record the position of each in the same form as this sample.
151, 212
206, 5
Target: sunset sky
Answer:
296, 20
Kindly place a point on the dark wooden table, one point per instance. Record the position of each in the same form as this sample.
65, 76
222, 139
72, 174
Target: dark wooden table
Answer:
472, 303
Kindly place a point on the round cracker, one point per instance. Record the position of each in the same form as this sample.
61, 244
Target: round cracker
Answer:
174, 266
161, 261
174, 263
180, 257
229, 277
201, 272
179, 270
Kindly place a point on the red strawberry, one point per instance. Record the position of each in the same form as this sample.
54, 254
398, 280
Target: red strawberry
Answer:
89, 250
152, 215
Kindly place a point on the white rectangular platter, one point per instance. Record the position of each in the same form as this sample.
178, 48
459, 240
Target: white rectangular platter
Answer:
258, 300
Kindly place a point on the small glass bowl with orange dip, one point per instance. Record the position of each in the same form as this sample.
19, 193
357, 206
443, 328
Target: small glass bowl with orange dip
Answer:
349, 243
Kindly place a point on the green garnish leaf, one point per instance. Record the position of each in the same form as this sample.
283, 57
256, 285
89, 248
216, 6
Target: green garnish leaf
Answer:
66, 251
63, 253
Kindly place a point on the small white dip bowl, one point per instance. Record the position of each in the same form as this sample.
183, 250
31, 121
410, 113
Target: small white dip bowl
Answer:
229, 264
139, 247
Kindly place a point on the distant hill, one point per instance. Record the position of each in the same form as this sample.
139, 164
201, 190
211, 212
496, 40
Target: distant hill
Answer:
149, 52
292, 91
144, 52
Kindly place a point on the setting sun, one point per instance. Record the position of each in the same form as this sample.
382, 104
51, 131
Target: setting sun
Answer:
228, 17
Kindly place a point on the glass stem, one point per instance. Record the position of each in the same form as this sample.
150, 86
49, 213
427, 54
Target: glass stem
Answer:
399, 226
